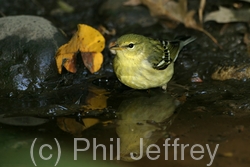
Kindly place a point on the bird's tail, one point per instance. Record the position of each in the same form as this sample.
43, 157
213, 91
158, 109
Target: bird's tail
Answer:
187, 40
178, 43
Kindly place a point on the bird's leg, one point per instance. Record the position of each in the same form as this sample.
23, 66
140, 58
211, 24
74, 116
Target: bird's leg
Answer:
164, 87
148, 90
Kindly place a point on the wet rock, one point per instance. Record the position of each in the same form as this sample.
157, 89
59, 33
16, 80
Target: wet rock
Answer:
125, 17
27, 48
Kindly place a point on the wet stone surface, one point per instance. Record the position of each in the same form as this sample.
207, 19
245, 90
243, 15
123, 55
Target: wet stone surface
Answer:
28, 45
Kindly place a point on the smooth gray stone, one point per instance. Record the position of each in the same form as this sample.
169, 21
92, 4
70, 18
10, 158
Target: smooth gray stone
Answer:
27, 49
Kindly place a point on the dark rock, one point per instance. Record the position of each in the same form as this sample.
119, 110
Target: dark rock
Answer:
125, 18
27, 49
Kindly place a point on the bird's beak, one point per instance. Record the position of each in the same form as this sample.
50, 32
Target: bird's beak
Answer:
115, 46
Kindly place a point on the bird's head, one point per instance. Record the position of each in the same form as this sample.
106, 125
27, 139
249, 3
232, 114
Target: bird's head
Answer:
129, 45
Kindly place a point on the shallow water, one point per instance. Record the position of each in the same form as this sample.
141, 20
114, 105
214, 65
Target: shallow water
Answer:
118, 119
118, 128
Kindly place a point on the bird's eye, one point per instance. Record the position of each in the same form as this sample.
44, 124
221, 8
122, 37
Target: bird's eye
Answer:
131, 45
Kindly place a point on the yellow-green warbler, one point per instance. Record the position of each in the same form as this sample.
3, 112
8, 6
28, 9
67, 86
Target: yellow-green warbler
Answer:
143, 63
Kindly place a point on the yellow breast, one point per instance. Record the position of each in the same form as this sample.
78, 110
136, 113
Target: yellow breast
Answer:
140, 74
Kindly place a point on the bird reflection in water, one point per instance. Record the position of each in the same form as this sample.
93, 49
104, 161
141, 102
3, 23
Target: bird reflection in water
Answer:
147, 116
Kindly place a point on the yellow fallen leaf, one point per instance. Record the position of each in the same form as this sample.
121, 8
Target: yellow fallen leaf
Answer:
70, 125
92, 61
96, 99
89, 42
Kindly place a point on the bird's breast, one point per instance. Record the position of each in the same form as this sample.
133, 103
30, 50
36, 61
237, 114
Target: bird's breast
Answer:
140, 74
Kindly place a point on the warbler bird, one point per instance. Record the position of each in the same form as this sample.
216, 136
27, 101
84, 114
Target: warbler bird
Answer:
143, 63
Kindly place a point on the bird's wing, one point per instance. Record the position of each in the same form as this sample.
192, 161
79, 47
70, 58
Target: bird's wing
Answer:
166, 52
163, 54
